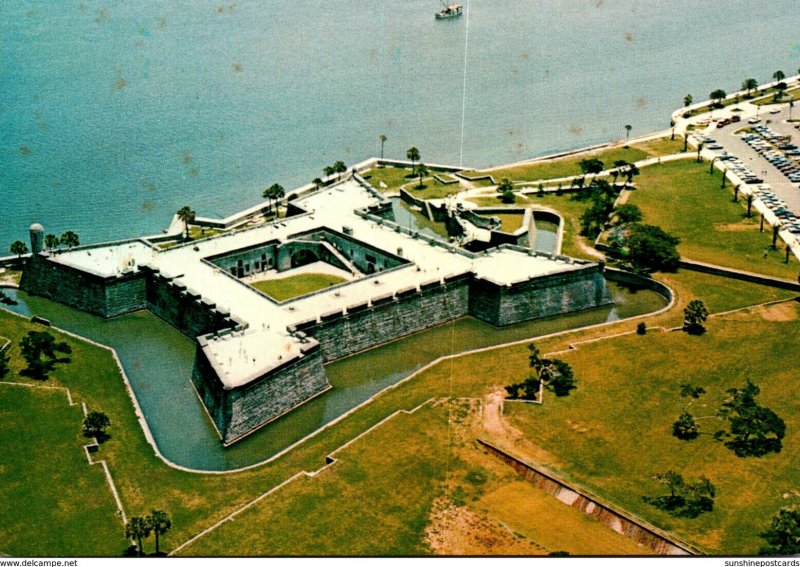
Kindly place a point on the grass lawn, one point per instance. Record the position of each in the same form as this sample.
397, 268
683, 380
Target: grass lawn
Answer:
396, 178
661, 146
562, 167
569, 208
294, 286
509, 222
51, 499
791, 94
196, 232
683, 199
614, 432
196, 501
387, 498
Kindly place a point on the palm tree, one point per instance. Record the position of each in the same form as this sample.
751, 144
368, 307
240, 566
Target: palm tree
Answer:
51, 241
413, 155
382, 138
749, 85
318, 183
70, 239
699, 149
778, 75
687, 100
160, 523
339, 167
735, 193
274, 191
186, 216
749, 204
328, 170
19, 248
278, 193
628, 128
137, 528
420, 170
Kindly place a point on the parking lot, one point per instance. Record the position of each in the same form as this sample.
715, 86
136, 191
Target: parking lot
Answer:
781, 185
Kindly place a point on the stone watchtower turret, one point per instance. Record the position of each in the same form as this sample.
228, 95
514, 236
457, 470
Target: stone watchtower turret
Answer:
37, 238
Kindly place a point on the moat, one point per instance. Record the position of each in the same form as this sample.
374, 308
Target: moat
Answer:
158, 361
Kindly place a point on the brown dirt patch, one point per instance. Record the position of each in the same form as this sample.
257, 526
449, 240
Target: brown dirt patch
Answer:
738, 227
781, 312
458, 530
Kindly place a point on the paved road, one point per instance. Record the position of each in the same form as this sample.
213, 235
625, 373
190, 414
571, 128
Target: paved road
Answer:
782, 187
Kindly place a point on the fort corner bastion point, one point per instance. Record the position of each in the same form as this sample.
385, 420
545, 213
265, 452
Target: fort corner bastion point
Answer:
257, 358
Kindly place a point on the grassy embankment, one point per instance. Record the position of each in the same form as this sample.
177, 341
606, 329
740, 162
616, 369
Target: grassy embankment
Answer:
282, 289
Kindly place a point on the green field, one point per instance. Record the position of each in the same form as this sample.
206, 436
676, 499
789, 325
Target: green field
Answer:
289, 287
615, 430
378, 502
52, 498
562, 167
396, 178
509, 222
685, 200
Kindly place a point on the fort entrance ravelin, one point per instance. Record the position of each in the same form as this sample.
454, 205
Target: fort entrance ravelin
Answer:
258, 358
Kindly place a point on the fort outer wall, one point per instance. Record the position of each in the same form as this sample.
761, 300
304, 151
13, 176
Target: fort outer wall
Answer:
111, 296
238, 412
545, 296
342, 333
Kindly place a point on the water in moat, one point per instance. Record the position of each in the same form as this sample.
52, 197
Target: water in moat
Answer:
158, 361
546, 236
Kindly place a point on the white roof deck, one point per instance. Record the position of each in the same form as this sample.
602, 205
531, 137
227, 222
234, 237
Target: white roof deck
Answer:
241, 357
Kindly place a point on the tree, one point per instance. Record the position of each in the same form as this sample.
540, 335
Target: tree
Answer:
590, 165
186, 216
137, 528
38, 344
619, 166
628, 129
318, 183
70, 239
382, 138
685, 427
328, 170
749, 85
19, 248
339, 167
754, 429
717, 96
650, 248
95, 425
628, 212
687, 100
630, 172
778, 75
505, 185
159, 522
558, 377
51, 241
413, 155
420, 170
783, 534
4, 367
694, 315
686, 499
508, 197
749, 205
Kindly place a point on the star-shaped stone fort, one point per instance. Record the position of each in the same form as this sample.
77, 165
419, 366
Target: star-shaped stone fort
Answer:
258, 358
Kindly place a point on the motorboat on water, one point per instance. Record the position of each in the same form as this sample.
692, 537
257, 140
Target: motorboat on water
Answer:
451, 11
